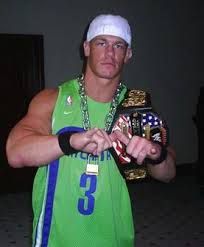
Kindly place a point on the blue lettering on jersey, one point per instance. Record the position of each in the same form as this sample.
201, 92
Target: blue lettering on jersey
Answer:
105, 155
83, 156
108, 156
87, 203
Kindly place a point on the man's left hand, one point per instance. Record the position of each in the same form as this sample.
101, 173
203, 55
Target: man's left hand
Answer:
138, 147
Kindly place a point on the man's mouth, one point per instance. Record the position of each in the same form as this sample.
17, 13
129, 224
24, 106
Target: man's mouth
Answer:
108, 64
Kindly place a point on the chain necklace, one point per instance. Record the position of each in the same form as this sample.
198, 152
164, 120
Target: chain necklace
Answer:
84, 105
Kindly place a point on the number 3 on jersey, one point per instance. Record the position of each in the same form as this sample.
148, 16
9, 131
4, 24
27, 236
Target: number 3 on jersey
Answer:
86, 204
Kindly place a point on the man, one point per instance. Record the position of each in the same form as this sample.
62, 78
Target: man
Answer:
79, 195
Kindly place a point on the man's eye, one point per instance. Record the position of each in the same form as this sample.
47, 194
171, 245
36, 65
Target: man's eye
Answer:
101, 43
119, 46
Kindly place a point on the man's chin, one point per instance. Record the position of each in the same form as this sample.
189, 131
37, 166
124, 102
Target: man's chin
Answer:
108, 75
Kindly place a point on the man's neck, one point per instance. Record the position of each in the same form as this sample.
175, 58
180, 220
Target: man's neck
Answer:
100, 89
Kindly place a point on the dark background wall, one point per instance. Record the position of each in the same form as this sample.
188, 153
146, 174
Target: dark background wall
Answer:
167, 42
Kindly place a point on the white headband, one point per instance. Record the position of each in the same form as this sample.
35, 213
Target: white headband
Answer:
110, 25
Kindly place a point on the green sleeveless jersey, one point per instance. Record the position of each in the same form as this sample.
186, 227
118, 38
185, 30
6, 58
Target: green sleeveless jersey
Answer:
71, 208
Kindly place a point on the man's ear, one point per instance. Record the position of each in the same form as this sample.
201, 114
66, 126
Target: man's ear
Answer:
86, 48
128, 55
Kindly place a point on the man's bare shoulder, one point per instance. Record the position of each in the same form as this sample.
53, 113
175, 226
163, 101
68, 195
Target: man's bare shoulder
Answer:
46, 95
44, 101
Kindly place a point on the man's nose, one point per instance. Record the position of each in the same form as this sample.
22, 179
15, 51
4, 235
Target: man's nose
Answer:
110, 50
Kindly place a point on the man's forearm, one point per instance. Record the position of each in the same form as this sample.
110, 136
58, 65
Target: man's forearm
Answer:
33, 150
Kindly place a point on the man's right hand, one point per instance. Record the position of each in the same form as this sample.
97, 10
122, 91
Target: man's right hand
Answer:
93, 141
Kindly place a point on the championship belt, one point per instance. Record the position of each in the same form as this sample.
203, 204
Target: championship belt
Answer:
135, 116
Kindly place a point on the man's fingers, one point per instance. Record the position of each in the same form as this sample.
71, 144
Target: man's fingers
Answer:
141, 156
100, 138
120, 136
90, 132
100, 143
106, 137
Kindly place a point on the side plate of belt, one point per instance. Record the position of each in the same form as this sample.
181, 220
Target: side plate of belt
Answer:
135, 116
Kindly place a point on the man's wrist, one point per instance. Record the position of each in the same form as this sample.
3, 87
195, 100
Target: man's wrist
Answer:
64, 142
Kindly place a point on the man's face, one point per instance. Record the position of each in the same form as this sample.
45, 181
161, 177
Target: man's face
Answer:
106, 55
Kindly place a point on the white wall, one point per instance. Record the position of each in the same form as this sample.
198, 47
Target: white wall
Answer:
165, 45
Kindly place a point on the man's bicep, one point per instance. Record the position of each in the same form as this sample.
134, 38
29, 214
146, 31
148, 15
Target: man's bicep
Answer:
37, 121
39, 116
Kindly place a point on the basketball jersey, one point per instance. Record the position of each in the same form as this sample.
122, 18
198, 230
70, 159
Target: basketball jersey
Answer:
71, 208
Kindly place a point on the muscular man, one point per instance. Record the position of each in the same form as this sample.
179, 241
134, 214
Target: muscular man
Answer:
65, 130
